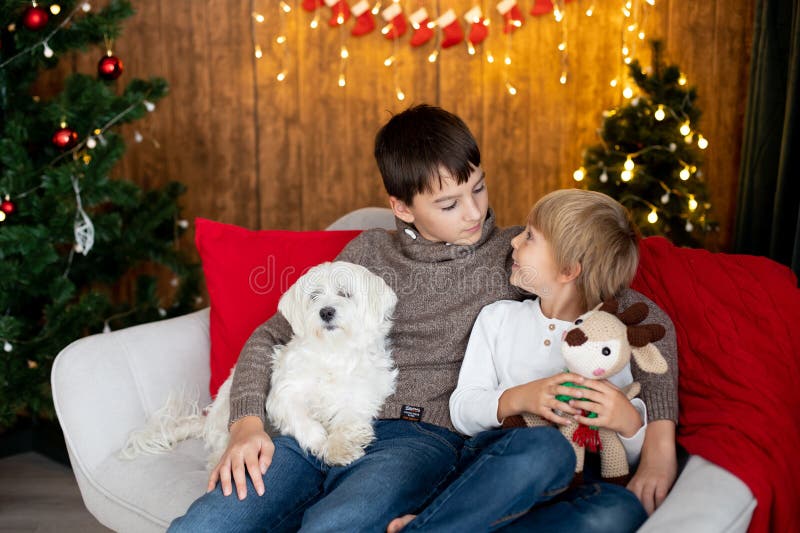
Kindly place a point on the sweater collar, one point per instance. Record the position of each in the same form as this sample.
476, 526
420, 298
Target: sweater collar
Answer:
416, 247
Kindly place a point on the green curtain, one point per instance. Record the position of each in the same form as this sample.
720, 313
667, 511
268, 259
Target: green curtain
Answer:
767, 221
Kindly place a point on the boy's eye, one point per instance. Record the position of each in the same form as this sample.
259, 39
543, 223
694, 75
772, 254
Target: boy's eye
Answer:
479, 189
450, 207
529, 235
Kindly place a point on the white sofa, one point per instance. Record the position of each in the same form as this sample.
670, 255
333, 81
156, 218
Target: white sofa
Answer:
106, 385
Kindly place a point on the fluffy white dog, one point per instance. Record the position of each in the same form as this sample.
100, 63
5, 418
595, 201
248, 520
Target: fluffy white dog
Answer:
328, 383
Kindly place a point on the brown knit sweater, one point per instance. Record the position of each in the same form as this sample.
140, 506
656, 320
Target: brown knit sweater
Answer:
441, 288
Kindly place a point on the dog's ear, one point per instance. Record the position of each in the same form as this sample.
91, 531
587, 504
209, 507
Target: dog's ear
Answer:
382, 300
292, 306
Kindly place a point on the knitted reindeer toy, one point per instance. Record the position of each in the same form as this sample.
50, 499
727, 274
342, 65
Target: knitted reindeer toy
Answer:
600, 345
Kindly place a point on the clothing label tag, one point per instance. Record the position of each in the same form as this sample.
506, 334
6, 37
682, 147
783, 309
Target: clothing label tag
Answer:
411, 412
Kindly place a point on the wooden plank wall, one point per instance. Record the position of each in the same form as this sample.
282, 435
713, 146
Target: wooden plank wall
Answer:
298, 154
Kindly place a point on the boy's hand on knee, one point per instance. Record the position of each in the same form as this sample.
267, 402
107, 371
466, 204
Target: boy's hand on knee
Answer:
658, 466
250, 449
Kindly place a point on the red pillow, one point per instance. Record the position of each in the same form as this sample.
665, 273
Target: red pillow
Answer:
246, 274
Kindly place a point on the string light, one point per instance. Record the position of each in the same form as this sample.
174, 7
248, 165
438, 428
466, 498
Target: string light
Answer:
685, 129
579, 174
559, 12
684, 173
626, 175
55, 9
433, 56
511, 89
702, 142
652, 217
258, 17
259, 54
660, 114
682, 80
627, 92
629, 165
692, 203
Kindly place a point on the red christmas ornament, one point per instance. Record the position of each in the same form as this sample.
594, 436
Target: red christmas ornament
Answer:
7, 207
422, 32
109, 67
397, 25
452, 32
311, 5
512, 16
340, 11
478, 30
65, 138
35, 18
365, 22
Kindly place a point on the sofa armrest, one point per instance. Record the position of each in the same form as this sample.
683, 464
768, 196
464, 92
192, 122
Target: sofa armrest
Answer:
106, 385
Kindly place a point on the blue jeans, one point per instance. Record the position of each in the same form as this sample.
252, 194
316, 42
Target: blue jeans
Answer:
501, 475
517, 480
400, 471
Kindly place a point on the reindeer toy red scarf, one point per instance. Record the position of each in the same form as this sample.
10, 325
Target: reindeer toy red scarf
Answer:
600, 345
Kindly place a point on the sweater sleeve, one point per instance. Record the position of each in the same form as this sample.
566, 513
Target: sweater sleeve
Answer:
473, 405
659, 391
254, 369
251, 381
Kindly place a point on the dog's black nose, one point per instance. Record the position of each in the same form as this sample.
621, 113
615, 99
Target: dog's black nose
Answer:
327, 313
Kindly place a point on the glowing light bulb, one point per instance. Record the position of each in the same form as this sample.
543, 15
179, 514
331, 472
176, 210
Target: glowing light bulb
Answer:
342, 81
258, 17
281, 75
562, 46
660, 114
702, 142
433, 57
628, 164
625, 50
470, 49
388, 61
627, 92
511, 89
344, 53
91, 143
651, 2
150, 106
626, 175
652, 217
689, 226
86, 7
489, 57
682, 80
627, 60
603, 177
563, 78
665, 198
579, 174
507, 60
314, 24
589, 12
641, 36
259, 54
55, 9
613, 82
685, 128
280, 39
286, 7
692, 203
400, 95
685, 174
340, 19
48, 52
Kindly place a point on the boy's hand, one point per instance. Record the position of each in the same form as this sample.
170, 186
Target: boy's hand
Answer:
658, 466
249, 447
539, 397
614, 410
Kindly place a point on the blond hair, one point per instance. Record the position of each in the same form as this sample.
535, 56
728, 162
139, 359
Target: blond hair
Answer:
595, 231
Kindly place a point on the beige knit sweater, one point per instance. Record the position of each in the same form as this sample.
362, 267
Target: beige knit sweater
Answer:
441, 288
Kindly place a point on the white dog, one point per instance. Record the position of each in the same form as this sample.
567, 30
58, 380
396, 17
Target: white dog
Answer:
328, 383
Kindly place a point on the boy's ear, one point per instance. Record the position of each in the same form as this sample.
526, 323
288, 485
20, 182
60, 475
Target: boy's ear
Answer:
401, 210
570, 273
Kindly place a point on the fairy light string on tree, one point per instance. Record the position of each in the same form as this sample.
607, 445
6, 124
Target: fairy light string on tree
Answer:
650, 153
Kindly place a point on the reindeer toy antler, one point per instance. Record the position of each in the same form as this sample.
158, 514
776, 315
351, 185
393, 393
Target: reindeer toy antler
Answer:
600, 345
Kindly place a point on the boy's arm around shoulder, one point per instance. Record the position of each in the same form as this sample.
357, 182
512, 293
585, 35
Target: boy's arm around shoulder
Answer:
659, 391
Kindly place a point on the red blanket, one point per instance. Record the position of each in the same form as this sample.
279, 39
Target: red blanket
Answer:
737, 320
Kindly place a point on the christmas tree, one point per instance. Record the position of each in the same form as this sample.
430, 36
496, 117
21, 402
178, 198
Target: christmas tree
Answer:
649, 157
80, 252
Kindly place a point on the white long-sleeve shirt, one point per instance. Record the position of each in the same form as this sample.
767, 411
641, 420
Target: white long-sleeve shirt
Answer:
513, 343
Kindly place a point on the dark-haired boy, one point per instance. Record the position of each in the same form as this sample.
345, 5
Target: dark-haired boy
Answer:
445, 262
